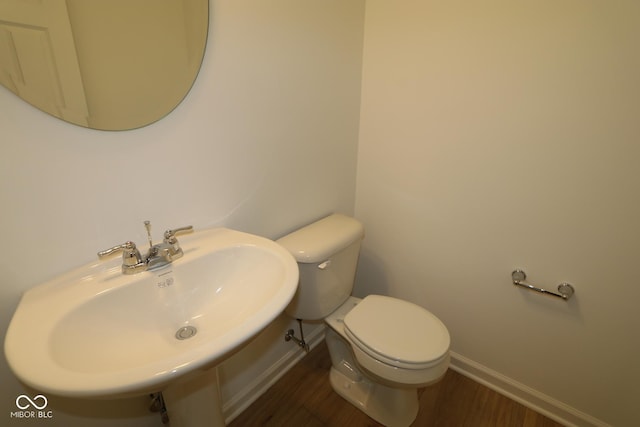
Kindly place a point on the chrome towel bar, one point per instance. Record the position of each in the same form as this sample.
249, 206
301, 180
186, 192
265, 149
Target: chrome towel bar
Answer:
565, 290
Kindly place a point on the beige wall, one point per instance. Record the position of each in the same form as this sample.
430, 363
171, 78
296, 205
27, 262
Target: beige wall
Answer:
265, 142
503, 134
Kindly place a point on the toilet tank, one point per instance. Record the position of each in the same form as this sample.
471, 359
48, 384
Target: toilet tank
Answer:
327, 255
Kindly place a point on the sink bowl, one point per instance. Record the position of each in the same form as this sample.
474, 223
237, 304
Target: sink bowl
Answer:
94, 332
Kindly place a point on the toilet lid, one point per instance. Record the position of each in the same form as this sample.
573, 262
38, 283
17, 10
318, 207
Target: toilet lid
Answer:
398, 331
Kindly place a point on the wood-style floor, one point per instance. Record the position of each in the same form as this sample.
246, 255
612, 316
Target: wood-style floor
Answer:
304, 398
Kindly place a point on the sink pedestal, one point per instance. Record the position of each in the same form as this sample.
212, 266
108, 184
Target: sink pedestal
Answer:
195, 402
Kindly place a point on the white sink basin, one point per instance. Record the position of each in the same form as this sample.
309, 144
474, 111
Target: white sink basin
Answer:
95, 332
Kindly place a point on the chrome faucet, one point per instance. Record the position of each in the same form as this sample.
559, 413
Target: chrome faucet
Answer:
158, 255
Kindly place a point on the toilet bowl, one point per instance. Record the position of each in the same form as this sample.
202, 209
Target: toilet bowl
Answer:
397, 340
382, 348
380, 372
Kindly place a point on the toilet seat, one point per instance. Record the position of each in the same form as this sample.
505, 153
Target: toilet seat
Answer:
397, 333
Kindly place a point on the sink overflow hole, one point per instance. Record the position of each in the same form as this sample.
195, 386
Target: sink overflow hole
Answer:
186, 332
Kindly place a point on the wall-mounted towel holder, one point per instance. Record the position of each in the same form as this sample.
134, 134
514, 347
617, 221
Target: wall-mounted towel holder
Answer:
565, 290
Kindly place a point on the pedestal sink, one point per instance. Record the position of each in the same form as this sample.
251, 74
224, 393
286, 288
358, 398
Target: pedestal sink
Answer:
96, 333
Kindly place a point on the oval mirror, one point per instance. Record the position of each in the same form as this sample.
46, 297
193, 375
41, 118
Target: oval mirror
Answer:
102, 64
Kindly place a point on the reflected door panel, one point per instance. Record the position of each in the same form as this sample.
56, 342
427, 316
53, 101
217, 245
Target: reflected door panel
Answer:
103, 64
38, 59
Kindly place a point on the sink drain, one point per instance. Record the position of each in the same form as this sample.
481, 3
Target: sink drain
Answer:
186, 332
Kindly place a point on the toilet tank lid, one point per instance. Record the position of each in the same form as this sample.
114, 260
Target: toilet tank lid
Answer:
320, 240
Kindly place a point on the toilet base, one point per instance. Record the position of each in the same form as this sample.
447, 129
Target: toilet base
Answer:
393, 407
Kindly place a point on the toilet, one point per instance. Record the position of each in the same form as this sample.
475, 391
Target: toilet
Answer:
382, 348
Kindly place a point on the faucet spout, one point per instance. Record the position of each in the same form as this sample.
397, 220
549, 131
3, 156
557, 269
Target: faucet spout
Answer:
160, 255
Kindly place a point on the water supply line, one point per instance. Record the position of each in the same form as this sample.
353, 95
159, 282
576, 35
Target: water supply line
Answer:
158, 405
290, 335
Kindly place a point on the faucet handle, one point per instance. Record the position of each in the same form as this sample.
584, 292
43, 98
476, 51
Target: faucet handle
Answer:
170, 235
175, 251
130, 254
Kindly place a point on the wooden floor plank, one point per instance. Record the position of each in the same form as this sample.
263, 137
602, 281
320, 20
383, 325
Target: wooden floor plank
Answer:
304, 398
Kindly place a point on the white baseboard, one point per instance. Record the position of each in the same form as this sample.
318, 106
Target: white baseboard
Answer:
256, 388
539, 402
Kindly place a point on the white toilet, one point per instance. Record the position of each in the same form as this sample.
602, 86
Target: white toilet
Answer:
382, 348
